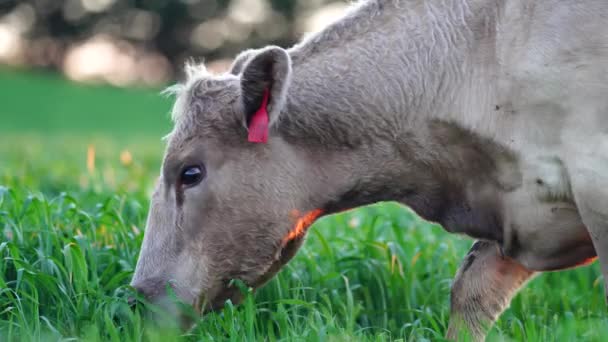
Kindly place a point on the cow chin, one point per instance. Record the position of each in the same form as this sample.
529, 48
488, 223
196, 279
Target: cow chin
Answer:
216, 298
285, 254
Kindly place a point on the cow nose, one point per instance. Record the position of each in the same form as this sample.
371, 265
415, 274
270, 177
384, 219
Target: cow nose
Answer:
132, 300
149, 289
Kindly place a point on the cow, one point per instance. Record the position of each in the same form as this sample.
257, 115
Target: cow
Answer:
489, 117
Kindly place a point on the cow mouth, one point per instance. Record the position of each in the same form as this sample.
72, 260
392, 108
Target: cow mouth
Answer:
229, 292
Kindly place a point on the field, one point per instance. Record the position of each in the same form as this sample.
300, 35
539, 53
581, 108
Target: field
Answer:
77, 165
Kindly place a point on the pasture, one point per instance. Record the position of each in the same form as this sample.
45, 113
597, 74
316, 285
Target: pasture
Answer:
77, 165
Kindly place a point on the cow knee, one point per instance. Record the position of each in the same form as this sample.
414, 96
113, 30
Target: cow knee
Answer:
473, 308
482, 289
468, 287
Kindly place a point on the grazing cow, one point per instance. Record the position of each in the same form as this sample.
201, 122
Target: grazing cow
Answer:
489, 117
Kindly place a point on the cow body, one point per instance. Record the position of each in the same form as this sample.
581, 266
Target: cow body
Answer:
530, 78
488, 117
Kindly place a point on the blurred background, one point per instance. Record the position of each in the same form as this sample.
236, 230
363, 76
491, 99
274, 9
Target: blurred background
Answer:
144, 42
91, 69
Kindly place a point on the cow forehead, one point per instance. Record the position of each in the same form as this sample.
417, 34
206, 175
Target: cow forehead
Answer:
200, 93
202, 109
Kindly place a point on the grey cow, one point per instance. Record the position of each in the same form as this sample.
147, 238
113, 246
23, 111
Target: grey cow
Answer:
489, 117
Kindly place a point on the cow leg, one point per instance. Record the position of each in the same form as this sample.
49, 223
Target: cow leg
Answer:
597, 224
589, 178
482, 289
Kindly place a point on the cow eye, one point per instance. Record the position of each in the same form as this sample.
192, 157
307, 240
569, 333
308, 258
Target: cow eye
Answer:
192, 175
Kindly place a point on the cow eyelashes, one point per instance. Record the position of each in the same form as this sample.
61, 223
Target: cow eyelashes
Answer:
191, 175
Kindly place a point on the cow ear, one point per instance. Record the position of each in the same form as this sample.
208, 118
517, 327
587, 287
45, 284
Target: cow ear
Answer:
239, 62
265, 79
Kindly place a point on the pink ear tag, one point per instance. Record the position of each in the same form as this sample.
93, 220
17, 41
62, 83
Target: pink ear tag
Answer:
258, 127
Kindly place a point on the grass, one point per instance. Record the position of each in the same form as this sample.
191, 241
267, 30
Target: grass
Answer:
70, 231
45, 104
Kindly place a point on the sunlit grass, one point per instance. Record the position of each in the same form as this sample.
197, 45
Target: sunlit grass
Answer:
71, 230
